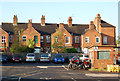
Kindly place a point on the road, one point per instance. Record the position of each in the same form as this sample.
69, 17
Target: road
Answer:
49, 71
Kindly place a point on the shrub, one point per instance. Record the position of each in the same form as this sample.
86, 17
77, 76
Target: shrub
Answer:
71, 50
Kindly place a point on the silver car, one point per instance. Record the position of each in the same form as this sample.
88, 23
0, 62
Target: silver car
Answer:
30, 57
44, 58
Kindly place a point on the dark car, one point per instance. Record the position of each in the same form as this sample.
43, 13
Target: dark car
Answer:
17, 58
3, 58
58, 58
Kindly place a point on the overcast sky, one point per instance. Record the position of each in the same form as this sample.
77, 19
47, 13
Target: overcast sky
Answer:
58, 12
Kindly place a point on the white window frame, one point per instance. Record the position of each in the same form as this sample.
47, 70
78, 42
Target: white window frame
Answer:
87, 40
48, 39
24, 38
68, 40
76, 38
3, 39
98, 39
105, 41
42, 37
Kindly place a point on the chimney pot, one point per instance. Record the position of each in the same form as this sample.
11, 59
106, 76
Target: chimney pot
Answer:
29, 22
43, 20
15, 20
91, 25
69, 21
98, 15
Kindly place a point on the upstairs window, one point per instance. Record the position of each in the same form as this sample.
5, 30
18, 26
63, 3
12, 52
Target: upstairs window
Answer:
67, 40
36, 39
48, 39
24, 38
56, 39
3, 39
105, 40
76, 39
41, 38
86, 39
97, 39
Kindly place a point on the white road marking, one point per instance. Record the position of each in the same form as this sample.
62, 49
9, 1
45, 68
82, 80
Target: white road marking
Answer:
42, 66
73, 79
48, 66
64, 67
102, 75
46, 78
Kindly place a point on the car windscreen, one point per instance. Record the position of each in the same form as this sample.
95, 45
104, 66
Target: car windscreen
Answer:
30, 55
44, 55
16, 56
86, 56
4, 56
58, 56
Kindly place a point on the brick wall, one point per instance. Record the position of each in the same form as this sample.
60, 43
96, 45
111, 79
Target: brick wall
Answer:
101, 63
4, 33
30, 32
92, 34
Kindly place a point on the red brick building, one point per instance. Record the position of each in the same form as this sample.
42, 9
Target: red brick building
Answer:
79, 36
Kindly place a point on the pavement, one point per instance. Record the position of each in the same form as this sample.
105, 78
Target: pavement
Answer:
51, 71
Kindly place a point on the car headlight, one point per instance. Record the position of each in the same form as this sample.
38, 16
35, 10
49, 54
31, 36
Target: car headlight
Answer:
62, 59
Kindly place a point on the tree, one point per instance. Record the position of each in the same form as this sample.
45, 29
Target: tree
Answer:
118, 40
30, 43
59, 44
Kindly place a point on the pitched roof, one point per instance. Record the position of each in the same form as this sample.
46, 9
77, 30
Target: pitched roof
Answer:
49, 28
105, 24
76, 29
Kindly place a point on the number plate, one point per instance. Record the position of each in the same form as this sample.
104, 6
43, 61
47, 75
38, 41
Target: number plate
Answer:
30, 58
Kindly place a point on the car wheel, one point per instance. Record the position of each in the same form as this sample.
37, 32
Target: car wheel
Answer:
74, 66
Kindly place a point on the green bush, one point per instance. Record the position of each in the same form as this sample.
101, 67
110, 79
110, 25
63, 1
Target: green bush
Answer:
16, 48
71, 50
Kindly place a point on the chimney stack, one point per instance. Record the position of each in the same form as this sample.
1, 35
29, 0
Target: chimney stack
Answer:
43, 20
15, 19
70, 21
61, 26
97, 21
30, 23
91, 25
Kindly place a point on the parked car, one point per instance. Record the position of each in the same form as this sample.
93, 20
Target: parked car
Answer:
3, 58
30, 57
58, 58
84, 57
44, 58
17, 58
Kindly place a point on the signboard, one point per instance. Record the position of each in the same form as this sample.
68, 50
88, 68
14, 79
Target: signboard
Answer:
95, 48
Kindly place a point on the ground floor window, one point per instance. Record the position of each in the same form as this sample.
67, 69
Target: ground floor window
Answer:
103, 55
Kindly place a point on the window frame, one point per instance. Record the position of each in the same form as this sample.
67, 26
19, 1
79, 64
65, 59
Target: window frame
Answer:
105, 42
77, 39
3, 40
36, 40
56, 39
68, 40
85, 39
24, 38
41, 38
98, 39
48, 39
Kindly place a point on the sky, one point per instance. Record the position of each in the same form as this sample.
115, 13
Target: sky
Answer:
82, 12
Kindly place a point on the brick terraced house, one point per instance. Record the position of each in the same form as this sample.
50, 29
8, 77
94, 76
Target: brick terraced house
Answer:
80, 36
